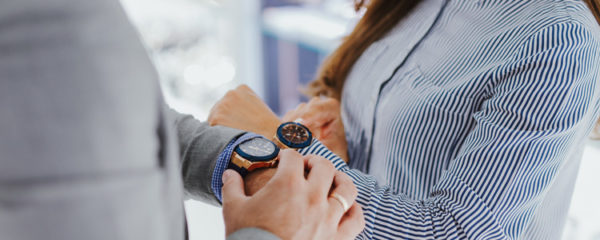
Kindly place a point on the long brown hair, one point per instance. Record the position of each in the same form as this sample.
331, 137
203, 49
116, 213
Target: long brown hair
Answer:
380, 17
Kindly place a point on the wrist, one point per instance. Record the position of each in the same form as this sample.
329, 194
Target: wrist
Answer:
223, 162
256, 180
270, 128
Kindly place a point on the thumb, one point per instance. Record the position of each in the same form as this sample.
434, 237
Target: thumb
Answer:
233, 186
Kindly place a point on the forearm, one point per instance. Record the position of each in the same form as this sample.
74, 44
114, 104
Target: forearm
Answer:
200, 146
252, 234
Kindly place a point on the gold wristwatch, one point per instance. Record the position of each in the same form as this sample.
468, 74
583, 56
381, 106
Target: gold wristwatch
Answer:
292, 135
254, 153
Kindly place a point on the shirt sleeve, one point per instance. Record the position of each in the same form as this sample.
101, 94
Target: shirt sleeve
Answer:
223, 163
540, 109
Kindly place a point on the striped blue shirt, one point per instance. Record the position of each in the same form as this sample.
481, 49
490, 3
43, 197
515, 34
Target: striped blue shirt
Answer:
467, 120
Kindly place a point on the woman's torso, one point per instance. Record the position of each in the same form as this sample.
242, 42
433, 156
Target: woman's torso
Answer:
410, 100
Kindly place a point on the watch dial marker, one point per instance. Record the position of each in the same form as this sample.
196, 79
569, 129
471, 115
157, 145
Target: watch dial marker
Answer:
258, 147
295, 134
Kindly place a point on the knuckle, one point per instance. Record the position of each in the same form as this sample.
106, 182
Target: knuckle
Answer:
320, 107
329, 167
324, 163
299, 109
361, 218
332, 101
309, 112
354, 193
344, 178
361, 222
314, 199
231, 94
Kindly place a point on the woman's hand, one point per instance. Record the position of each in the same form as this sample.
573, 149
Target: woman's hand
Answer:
323, 117
241, 108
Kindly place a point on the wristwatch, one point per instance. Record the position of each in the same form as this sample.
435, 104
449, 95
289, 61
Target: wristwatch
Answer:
252, 154
293, 135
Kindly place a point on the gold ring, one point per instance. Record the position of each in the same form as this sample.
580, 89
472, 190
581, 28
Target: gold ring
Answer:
341, 200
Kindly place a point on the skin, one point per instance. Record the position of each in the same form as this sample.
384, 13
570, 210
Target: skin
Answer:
321, 115
234, 109
303, 209
300, 189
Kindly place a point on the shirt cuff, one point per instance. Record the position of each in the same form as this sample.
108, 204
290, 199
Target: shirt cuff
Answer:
317, 148
223, 162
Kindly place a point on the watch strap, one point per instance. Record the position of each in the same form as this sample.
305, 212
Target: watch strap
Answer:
242, 171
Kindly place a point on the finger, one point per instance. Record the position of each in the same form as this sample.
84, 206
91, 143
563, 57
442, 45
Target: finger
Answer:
291, 165
321, 174
314, 99
320, 112
233, 187
244, 87
294, 113
300, 107
317, 120
309, 111
290, 116
344, 188
352, 223
334, 127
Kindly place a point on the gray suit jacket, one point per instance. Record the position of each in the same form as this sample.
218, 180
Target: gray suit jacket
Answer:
88, 149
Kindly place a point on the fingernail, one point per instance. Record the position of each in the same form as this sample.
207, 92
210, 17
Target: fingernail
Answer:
226, 175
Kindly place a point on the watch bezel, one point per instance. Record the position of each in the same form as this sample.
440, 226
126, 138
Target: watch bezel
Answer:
289, 143
253, 158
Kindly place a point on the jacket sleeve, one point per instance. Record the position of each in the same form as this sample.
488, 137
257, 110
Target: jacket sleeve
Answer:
539, 111
252, 234
199, 148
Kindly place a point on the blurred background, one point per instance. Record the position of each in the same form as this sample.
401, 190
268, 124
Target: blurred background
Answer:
202, 48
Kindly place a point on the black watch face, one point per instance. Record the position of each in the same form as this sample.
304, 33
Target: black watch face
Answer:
258, 147
295, 134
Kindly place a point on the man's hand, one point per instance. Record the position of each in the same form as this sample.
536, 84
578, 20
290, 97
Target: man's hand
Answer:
241, 108
293, 206
256, 180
